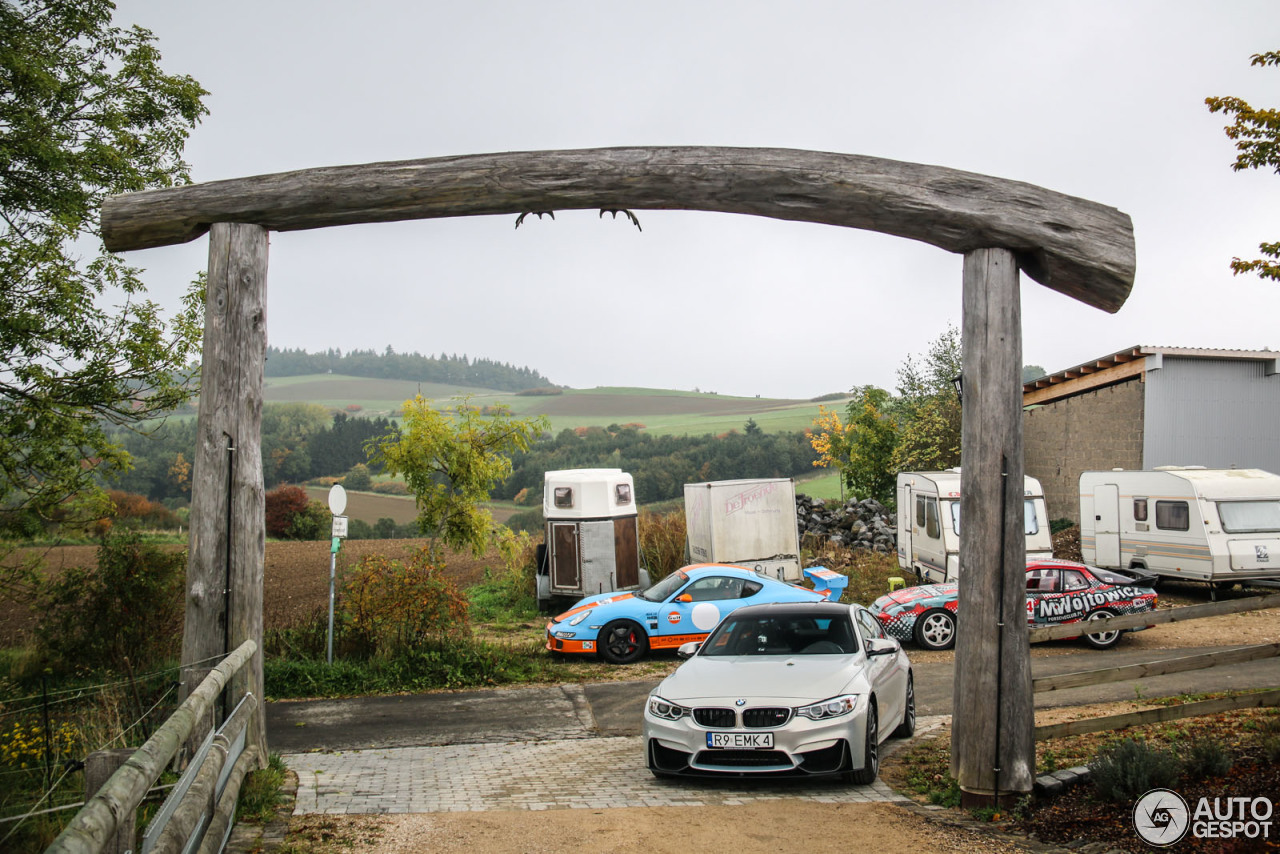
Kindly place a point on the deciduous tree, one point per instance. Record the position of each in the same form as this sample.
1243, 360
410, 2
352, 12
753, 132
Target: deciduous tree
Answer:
85, 112
451, 460
1256, 133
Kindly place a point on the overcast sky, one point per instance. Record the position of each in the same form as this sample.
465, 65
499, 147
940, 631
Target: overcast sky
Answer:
1103, 100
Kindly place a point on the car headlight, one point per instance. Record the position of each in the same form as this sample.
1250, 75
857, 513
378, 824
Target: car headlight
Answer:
564, 635
667, 710
827, 709
579, 618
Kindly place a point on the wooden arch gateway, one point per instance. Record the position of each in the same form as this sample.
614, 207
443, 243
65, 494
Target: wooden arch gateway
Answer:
1080, 248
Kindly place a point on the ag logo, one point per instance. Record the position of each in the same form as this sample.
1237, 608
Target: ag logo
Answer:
1161, 817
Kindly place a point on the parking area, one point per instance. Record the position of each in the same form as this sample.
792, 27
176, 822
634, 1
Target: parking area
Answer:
576, 773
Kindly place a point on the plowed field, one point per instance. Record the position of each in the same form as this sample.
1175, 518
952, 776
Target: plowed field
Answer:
295, 579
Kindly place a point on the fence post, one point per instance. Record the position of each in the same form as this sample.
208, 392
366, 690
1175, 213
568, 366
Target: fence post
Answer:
98, 768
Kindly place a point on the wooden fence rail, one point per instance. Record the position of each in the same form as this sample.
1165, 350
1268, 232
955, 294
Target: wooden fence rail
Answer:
96, 821
1159, 715
1081, 678
1156, 618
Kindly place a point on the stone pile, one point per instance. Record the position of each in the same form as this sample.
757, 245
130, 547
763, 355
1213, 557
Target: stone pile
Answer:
855, 524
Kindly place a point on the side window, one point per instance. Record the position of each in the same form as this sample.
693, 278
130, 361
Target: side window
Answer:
1173, 515
1073, 580
750, 588
1030, 524
868, 626
563, 496
932, 529
714, 588
919, 511
622, 493
1139, 509
1036, 579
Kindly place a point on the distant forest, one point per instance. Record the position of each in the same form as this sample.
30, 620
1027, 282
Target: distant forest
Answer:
414, 367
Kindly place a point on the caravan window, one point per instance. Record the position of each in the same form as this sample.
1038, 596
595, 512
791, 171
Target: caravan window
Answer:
932, 529
564, 496
1030, 524
1139, 509
1247, 517
622, 493
1173, 515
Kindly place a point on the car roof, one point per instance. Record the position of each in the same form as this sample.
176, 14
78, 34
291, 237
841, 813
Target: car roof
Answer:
698, 570
816, 609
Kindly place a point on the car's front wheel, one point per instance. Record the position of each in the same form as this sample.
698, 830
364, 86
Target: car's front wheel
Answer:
622, 642
866, 775
936, 629
1103, 640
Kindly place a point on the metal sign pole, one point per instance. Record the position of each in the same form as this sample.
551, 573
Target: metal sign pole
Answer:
337, 503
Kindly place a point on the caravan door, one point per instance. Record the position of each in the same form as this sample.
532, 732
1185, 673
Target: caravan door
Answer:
1106, 524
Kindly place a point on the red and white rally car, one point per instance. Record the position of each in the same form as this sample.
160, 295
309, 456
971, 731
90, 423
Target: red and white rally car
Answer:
1058, 591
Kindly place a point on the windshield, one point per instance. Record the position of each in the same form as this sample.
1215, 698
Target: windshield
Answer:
664, 588
1030, 525
782, 633
1247, 517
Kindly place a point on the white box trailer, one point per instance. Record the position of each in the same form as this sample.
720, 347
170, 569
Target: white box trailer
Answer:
1220, 526
749, 523
592, 540
929, 523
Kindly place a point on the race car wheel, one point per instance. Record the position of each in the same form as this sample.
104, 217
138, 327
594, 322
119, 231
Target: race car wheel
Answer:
622, 642
866, 775
907, 728
1103, 640
936, 629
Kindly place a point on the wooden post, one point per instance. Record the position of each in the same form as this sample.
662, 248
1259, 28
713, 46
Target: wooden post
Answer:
992, 745
98, 768
228, 536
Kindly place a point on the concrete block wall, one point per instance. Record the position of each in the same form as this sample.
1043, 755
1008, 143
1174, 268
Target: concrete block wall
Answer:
1096, 430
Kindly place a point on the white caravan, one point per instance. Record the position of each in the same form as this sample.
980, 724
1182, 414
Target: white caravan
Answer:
929, 523
1219, 526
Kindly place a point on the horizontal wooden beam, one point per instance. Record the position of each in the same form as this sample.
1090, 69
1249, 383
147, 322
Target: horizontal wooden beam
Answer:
1159, 714
1080, 248
1156, 618
1163, 667
1087, 380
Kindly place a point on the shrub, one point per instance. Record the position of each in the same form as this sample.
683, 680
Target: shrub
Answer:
358, 478
662, 543
282, 505
390, 487
1126, 769
131, 605
531, 521
1206, 757
315, 522
390, 607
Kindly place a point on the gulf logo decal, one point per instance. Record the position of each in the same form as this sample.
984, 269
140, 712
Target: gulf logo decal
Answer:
673, 617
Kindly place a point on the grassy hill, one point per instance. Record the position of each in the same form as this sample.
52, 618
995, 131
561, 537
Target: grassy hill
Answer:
663, 412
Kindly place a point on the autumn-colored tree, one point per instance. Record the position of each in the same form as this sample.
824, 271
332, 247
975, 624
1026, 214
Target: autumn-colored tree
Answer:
927, 409
282, 505
180, 474
1256, 133
452, 459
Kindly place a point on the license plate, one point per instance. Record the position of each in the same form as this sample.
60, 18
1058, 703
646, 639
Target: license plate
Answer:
741, 740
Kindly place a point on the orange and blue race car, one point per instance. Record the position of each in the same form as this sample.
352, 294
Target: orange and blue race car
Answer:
685, 606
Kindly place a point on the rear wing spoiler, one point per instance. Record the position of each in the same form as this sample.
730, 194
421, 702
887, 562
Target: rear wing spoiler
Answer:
829, 584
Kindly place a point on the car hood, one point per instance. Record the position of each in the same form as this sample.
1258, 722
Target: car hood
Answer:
592, 602
907, 597
791, 679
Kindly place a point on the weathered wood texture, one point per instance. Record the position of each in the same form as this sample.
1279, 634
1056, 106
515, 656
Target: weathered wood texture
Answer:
98, 768
1157, 618
1078, 247
1159, 715
994, 714
1182, 664
228, 527
98, 819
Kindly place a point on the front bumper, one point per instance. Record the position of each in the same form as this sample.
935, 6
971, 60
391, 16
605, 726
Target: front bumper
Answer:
568, 645
801, 748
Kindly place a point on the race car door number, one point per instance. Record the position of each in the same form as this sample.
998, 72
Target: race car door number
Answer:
741, 740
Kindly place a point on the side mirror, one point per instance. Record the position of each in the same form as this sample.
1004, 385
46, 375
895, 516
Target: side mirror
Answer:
684, 597
688, 650
882, 646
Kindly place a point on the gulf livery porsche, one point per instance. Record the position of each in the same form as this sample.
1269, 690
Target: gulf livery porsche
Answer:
1058, 591
681, 608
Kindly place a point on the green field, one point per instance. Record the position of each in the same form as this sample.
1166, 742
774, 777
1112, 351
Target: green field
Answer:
662, 412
